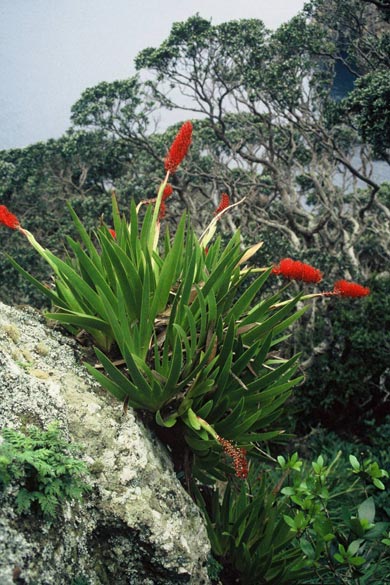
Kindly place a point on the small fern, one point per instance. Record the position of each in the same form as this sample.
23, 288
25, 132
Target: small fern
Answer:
41, 465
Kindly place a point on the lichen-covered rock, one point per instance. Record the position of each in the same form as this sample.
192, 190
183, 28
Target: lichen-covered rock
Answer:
138, 526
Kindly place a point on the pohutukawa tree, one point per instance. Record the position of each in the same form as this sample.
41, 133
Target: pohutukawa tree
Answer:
267, 100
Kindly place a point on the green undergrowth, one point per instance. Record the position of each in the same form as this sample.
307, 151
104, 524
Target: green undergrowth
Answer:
41, 469
316, 521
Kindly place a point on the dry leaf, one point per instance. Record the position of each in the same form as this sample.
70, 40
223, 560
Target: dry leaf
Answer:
100, 366
246, 328
249, 253
210, 335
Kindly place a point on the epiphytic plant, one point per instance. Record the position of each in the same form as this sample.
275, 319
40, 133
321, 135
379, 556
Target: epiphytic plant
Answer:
196, 341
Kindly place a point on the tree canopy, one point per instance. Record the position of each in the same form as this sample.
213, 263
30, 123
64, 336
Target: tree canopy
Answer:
279, 137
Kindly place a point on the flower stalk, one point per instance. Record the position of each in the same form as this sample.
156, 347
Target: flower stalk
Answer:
237, 454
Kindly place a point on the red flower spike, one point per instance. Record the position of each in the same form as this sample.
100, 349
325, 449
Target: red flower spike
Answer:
8, 219
238, 455
179, 148
224, 203
296, 270
350, 289
112, 232
167, 192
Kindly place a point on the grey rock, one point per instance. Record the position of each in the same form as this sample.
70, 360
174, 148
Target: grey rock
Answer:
138, 525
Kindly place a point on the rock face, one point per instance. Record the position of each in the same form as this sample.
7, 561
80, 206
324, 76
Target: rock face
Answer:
138, 525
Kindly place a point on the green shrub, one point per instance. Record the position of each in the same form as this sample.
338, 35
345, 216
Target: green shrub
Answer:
328, 443
300, 522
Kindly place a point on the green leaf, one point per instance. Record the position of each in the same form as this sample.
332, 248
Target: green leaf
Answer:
176, 366
366, 510
116, 390
168, 274
378, 483
354, 546
275, 322
263, 351
128, 278
290, 522
145, 320
140, 390
192, 420
205, 410
168, 422
267, 379
81, 320
78, 286
148, 226
190, 352
354, 463
307, 548
357, 561
199, 444
246, 298
376, 530
261, 437
42, 288
225, 427
83, 234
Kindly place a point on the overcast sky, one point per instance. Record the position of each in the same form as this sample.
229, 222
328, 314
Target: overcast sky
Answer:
51, 50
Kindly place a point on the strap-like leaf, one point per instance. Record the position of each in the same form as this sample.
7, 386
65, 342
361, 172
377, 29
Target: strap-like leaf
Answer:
242, 304
41, 287
84, 234
81, 320
168, 274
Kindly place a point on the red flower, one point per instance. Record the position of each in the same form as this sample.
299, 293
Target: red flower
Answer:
8, 219
350, 289
179, 148
167, 192
238, 455
223, 204
296, 270
112, 232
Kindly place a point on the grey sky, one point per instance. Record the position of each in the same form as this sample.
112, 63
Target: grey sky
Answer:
50, 50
